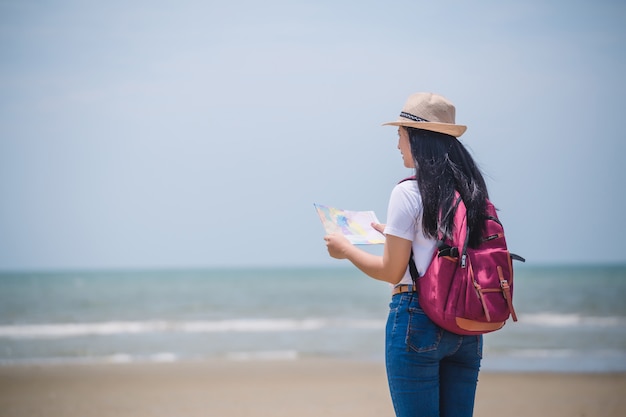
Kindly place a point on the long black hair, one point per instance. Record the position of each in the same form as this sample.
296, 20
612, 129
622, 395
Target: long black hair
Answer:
442, 166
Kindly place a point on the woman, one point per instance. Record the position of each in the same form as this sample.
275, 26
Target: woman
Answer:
431, 372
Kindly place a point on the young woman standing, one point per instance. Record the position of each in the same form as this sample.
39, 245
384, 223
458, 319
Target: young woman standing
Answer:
431, 372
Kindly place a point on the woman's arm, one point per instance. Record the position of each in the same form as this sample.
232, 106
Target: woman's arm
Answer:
390, 267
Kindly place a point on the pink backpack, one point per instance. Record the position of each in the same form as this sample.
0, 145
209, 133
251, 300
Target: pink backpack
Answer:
469, 290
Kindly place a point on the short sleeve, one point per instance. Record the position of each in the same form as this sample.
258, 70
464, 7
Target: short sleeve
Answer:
404, 211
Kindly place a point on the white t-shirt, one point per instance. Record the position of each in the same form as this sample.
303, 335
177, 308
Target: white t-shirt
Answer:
404, 220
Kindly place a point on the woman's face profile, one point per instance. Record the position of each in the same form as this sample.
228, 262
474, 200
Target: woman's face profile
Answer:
405, 147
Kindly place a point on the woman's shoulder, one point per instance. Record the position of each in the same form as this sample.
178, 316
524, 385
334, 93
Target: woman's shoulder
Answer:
405, 200
406, 188
407, 185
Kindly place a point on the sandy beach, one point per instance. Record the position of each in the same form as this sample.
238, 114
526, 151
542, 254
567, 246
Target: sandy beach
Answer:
307, 387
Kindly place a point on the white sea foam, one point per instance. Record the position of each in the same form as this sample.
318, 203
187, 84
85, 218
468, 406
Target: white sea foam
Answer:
160, 357
59, 330
571, 320
250, 325
163, 357
542, 353
272, 355
65, 330
119, 358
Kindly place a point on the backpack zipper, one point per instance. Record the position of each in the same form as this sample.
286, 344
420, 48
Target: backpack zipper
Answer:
464, 253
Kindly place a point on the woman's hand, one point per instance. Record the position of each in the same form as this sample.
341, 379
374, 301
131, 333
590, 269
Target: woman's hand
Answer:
379, 227
337, 245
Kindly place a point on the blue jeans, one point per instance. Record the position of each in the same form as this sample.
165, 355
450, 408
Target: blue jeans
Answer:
431, 371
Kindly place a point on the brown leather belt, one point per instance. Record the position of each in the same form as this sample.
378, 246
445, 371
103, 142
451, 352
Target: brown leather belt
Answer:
399, 289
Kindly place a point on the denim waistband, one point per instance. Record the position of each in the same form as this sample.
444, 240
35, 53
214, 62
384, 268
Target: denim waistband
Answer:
403, 288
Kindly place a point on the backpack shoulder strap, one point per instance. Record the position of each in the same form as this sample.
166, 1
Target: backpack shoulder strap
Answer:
413, 269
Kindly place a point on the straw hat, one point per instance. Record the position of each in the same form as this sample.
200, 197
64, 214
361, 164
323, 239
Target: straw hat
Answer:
429, 111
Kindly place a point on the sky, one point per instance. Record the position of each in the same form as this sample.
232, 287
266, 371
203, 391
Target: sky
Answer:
193, 134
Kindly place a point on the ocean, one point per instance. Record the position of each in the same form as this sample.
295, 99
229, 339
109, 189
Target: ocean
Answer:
571, 318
